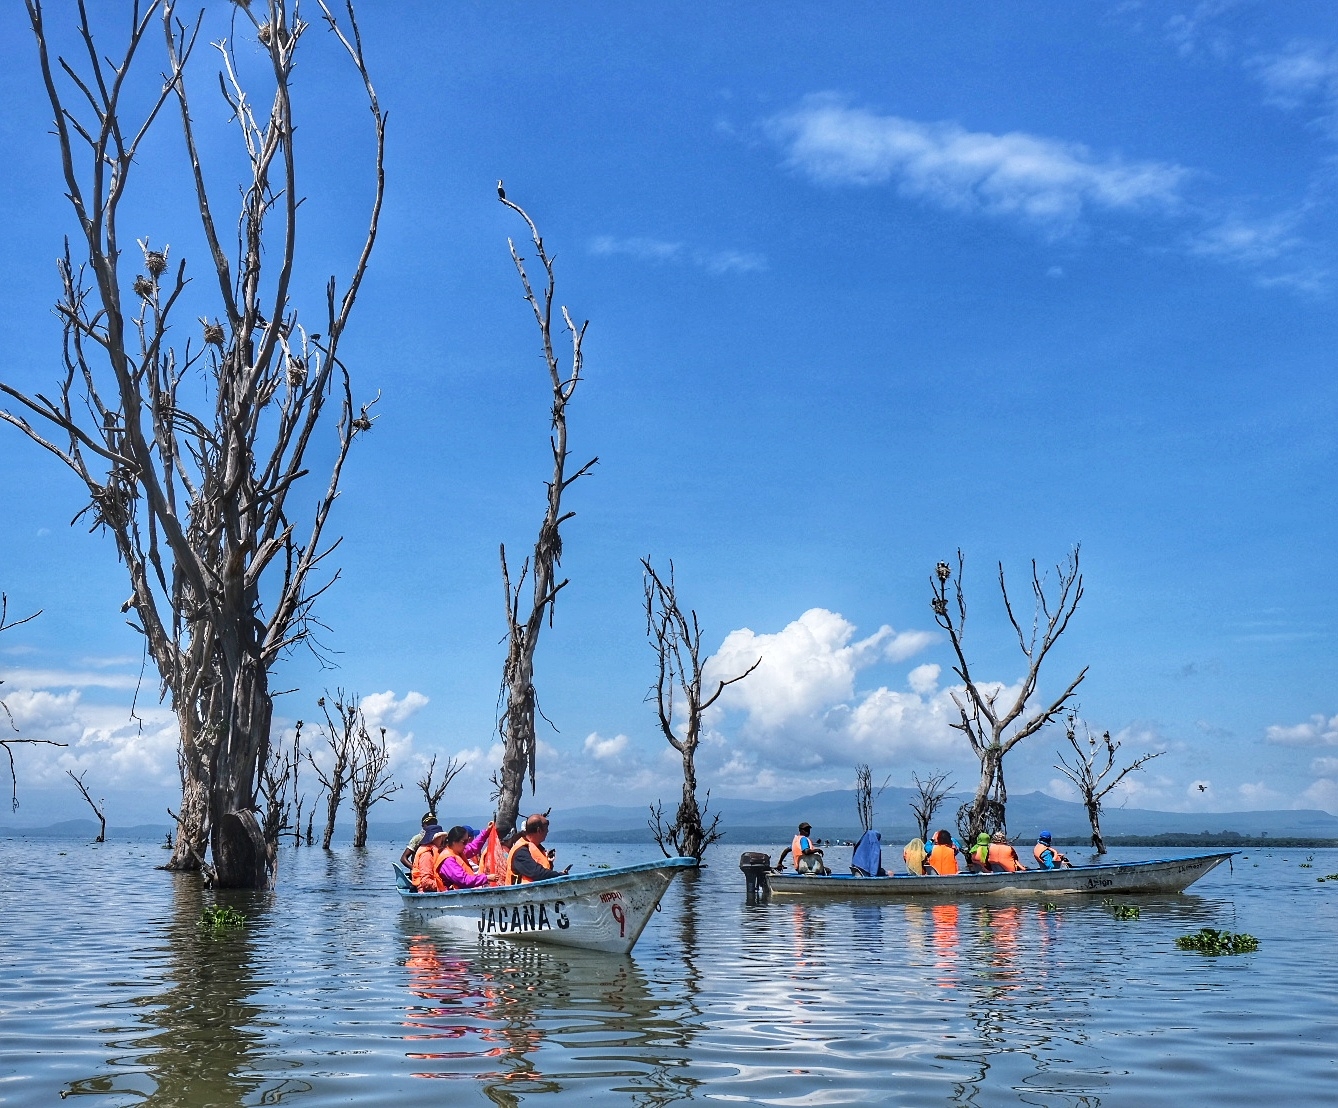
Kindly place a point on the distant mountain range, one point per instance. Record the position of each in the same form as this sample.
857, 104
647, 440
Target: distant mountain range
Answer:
834, 816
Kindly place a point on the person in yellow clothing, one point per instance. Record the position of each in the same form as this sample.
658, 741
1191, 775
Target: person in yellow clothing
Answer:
527, 860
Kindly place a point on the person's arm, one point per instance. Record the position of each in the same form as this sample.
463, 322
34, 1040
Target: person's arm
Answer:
476, 845
457, 874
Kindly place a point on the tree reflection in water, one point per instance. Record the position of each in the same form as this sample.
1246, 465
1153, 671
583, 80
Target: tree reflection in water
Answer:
208, 1046
487, 1012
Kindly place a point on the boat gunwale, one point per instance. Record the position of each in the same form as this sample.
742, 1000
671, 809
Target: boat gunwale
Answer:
562, 881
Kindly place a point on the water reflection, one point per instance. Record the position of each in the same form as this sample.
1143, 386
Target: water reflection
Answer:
524, 1019
207, 1037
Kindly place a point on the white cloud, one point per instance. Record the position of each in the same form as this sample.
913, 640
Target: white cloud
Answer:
382, 709
924, 679
1259, 795
647, 249
1322, 794
1047, 182
1318, 730
601, 748
1199, 31
1301, 74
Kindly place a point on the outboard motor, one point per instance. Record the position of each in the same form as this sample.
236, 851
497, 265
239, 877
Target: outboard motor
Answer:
756, 866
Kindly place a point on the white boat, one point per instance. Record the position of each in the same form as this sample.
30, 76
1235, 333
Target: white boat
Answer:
605, 909
1171, 875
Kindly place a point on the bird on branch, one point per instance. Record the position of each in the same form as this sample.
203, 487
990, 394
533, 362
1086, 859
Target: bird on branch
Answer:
501, 192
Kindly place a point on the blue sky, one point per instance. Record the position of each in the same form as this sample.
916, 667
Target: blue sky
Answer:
866, 284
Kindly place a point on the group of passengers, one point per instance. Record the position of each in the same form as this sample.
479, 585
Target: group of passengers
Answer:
941, 856
440, 860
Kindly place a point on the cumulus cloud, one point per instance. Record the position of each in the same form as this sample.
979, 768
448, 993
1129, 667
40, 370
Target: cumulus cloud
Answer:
1257, 794
1300, 75
383, 709
602, 749
1318, 730
647, 249
923, 680
1043, 181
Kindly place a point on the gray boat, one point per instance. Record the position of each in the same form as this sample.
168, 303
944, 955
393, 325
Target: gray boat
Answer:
1172, 875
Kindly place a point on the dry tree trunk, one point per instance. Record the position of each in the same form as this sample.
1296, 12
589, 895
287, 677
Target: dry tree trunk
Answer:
434, 791
519, 706
102, 818
189, 446
934, 790
370, 779
1088, 779
341, 734
677, 641
992, 728
866, 796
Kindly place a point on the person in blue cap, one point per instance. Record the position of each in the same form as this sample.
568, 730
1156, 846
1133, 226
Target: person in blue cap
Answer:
1047, 855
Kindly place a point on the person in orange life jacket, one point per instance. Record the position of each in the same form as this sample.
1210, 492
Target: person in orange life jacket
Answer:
527, 860
427, 861
455, 870
1002, 857
943, 857
806, 858
429, 820
1047, 855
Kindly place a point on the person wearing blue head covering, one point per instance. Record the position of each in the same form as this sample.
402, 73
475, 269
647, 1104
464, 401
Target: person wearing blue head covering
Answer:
867, 860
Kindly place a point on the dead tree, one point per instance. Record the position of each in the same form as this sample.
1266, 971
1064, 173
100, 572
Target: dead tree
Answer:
276, 776
190, 446
370, 779
865, 795
299, 798
434, 791
102, 818
517, 700
933, 791
8, 742
677, 641
340, 731
1088, 773
992, 728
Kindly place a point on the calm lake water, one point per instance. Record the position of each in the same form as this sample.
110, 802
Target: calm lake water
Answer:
112, 992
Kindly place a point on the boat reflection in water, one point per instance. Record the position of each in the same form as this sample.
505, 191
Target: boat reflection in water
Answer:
525, 1019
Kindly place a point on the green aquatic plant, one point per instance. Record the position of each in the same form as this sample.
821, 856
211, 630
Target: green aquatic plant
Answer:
1049, 906
1328, 877
1305, 865
220, 917
1210, 941
1126, 911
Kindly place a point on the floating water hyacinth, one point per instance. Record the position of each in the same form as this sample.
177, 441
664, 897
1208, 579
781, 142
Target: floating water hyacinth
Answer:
1127, 911
220, 917
1213, 942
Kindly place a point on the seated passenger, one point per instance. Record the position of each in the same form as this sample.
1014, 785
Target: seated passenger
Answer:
527, 860
454, 869
1047, 855
867, 858
1002, 857
942, 859
807, 858
914, 856
429, 820
427, 863
978, 857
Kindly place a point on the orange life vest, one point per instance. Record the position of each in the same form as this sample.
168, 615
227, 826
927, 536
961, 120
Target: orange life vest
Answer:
943, 859
1004, 858
514, 878
426, 867
1041, 848
796, 851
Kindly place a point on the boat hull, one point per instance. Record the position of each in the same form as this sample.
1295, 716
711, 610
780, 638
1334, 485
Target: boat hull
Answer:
1166, 876
605, 910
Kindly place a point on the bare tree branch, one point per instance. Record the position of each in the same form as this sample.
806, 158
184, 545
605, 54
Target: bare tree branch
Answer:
1088, 772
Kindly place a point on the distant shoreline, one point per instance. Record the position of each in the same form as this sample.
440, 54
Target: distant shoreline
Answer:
1228, 838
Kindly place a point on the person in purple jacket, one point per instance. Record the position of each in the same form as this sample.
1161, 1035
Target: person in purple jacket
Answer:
455, 870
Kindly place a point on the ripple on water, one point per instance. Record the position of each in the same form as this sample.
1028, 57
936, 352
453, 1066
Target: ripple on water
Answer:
332, 995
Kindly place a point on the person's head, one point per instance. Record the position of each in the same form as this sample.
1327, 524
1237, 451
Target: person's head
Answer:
1044, 837
999, 837
983, 839
431, 830
457, 837
942, 838
435, 836
536, 827
805, 828
429, 818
